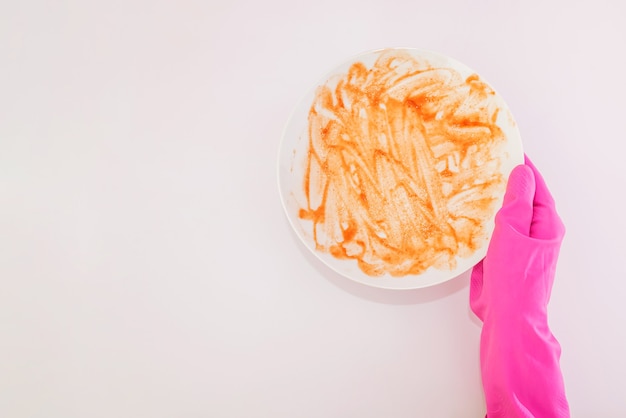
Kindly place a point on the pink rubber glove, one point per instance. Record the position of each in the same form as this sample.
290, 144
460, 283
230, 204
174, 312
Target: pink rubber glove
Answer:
509, 292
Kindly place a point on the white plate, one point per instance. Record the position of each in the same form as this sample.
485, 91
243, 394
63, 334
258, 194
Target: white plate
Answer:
397, 162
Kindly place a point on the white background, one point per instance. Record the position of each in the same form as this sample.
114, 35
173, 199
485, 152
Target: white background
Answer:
147, 268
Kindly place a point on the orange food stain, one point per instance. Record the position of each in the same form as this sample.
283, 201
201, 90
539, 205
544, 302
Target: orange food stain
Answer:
402, 167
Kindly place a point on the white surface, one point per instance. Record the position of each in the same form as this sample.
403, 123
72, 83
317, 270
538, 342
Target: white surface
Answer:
147, 268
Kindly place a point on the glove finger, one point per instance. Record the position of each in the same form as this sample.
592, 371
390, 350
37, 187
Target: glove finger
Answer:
476, 290
546, 223
517, 206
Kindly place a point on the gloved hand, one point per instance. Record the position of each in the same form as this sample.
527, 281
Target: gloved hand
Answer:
509, 292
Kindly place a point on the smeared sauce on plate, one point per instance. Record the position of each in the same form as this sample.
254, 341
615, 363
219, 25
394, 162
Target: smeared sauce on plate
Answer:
402, 169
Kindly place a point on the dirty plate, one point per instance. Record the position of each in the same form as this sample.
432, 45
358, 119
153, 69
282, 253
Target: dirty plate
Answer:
392, 167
